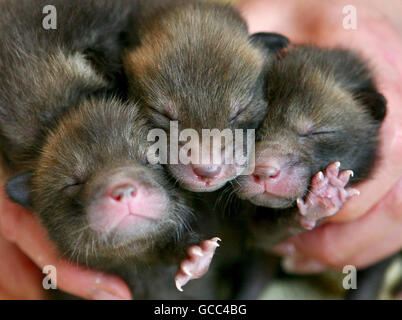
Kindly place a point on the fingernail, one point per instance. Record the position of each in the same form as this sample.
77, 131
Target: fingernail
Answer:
99, 294
293, 264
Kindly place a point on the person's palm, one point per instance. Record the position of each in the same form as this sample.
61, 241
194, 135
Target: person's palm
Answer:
25, 250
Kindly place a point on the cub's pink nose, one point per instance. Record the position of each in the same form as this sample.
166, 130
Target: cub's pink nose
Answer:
123, 193
209, 172
266, 172
125, 204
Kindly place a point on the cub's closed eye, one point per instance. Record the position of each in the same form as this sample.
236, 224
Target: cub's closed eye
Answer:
160, 113
316, 133
72, 187
237, 115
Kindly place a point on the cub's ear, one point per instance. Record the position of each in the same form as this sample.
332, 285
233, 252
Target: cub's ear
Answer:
375, 102
18, 189
274, 42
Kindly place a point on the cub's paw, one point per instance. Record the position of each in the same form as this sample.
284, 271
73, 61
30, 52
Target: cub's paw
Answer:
326, 196
197, 263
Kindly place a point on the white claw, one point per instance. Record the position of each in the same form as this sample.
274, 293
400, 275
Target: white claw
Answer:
178, 286
300, 204
352, 174
300, 201
337, 164
215, 241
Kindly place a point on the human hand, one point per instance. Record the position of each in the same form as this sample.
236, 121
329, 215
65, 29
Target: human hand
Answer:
369, 227
25, 250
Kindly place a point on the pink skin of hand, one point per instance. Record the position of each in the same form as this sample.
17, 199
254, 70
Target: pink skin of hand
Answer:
25, 250
197, 263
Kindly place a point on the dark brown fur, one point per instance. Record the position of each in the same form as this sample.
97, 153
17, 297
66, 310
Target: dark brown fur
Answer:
335, 91
65, 137
197, 64
323, 106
